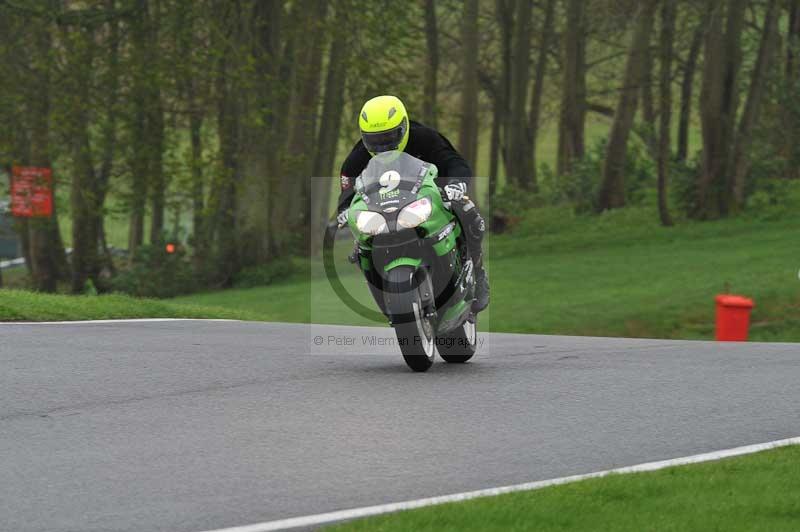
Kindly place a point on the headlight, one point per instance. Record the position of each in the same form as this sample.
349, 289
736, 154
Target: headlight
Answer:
371, 223
414, 214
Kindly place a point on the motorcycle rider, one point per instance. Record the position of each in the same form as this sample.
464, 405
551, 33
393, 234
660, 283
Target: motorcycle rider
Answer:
385, 126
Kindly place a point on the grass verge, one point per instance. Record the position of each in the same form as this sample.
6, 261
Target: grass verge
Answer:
748, 493
20, 305
618, 274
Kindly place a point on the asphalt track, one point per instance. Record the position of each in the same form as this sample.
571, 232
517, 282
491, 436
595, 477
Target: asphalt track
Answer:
191, 426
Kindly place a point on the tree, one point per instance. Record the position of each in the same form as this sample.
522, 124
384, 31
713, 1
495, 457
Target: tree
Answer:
752, 108
517, 169
719, 100
223, 204
793, 41
687, 83
468, 129
666, 40
432, 66
84, 193
612, 191
47, 260
573, 89
305, 90
537, 93
500, 91
331, 118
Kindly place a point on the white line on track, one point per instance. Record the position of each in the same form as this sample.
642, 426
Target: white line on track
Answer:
83, 322
342, 515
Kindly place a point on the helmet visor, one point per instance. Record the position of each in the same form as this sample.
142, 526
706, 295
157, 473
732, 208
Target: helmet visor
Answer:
385, 140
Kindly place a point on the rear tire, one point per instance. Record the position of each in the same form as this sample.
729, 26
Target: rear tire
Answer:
459, 345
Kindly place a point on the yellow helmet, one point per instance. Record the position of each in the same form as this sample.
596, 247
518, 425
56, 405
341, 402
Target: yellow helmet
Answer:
384, 124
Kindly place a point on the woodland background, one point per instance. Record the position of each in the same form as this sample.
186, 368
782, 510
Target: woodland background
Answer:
200, 122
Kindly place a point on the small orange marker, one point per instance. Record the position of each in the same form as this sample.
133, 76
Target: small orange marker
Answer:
170, 248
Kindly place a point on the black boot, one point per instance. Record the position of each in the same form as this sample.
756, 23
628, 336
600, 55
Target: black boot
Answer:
481, 290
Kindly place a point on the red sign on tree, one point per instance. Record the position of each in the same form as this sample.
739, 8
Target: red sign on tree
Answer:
31, 192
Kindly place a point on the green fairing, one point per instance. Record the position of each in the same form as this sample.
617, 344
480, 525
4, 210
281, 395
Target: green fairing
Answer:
441, 271
452, 316
438, 220
403, 261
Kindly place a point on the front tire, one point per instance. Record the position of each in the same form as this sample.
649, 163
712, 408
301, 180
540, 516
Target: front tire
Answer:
417, 343
460, 344
414, 330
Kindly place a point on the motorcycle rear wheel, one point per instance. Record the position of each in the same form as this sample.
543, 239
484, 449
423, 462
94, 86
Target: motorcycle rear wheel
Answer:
459, 345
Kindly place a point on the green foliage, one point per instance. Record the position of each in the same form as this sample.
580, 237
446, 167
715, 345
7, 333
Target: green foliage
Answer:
266, 274
580, 188
774, 199
508, 206
683, 184
156, 273
89, 289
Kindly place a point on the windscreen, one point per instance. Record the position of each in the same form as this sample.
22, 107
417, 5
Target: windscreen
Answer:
390, 171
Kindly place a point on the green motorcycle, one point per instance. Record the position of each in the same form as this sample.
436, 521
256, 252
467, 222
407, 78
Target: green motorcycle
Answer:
414, 258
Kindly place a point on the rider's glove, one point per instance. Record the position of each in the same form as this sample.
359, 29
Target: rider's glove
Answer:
341, 219
455, 191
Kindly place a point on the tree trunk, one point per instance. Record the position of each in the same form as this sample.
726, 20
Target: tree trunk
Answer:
505, 10
518, 149
223, 203
612, 191
154, 139
719, 103
538, 90
432, 72
109, 137
47, 257
328, 134
198, 185
138, 127
279, 127
687, 86
259, 149
494, 147
573, 92
741, 161
648, 106
302, 127
84, 193
666, 43
158, 183
468, 130
793, 41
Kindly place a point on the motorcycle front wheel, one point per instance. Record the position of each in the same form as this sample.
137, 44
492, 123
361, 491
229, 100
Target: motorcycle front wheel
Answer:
415, 334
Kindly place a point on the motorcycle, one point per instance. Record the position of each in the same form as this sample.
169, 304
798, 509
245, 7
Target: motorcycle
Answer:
411, 251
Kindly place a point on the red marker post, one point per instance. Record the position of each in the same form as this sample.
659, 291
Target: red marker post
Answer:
733, 317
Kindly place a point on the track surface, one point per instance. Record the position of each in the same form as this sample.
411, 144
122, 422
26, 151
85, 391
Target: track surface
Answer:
189, 426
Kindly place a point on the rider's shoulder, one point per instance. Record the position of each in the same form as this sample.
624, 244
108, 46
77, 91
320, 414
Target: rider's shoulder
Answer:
356, 160
419, 127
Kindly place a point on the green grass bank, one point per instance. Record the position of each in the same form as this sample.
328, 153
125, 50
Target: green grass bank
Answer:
21, 305
750, 493
618, 274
